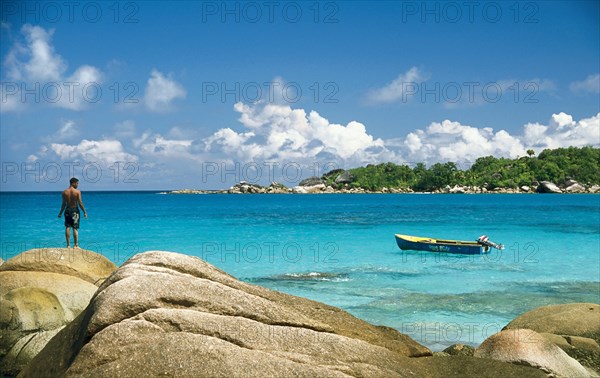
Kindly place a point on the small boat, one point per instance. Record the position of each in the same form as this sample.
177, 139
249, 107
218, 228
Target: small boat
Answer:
417, 243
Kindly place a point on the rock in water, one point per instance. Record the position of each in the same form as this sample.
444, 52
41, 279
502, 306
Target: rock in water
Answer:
527, 347
457, 189
570, 182
311, 181
246, 188
319, 188
276, 187
575, 188
42, 290
548, 187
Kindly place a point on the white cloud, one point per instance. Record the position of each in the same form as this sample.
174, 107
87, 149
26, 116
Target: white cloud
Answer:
167, 147
66, 131
452, 141
86, 80
403, 87
278, 132
35, 64
563, 131
161, 91
589, 84
232, 143
156, 146
41, 62
106, 151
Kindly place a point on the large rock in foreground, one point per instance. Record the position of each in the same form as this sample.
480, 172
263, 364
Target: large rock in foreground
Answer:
574, 327
575, 319
42, 290
527, 347
164, 313
169, 313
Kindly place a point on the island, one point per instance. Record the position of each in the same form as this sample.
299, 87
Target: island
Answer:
560, 170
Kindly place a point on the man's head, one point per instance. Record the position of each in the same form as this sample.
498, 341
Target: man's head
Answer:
74, 182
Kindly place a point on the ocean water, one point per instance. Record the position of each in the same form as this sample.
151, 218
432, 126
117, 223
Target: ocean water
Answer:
340, 249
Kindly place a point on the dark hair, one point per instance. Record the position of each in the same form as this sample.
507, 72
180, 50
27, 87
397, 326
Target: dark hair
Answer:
73, 179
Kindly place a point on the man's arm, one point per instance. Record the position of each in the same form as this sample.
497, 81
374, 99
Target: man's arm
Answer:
64, 204
81, 204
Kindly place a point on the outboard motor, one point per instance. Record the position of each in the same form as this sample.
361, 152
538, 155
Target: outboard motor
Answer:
484, 240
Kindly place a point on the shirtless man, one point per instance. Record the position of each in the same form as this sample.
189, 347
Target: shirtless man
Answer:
71, 201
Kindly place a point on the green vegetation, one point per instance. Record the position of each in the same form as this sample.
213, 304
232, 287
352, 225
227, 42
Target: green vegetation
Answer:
557, 165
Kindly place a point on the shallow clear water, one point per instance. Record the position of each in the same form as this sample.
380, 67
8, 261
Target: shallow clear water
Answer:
340, 249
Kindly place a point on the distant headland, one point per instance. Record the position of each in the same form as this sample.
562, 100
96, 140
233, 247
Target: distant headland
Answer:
561, 170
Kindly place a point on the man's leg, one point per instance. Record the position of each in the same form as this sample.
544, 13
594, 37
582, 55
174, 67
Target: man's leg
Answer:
68, 235
75, 238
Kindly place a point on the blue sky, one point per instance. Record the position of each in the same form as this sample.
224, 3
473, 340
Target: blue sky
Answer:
150, 95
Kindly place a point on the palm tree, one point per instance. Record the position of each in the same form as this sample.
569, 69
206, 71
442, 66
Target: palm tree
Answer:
530, 153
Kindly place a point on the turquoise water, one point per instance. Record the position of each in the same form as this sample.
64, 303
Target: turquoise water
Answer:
340, 249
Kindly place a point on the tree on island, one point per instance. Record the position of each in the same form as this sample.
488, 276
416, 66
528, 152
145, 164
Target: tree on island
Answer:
581, 164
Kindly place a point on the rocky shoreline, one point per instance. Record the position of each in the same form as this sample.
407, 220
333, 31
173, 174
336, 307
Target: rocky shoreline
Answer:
71, 312
315, 185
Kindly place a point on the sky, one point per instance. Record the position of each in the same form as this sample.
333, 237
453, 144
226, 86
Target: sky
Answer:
139, 95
